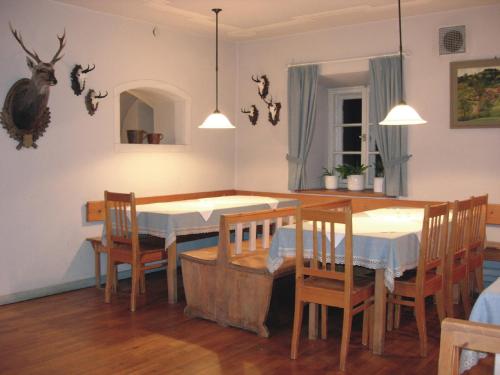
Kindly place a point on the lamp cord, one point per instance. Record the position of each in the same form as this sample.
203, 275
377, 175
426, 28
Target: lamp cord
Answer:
400, 53
216, 11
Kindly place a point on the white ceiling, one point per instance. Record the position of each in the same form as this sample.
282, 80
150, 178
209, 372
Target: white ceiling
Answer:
255, 19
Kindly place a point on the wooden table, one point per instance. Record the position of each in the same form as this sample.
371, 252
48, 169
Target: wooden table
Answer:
171, 219
386, 240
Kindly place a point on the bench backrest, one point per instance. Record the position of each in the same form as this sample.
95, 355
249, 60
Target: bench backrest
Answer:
252, 231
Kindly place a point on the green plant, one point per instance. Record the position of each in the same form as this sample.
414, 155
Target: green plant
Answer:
344, 170
359, 169
328, 172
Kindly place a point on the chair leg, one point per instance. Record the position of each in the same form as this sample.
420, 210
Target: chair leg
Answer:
346, 337
390, 312
464, 289
421, 326
110, 280
440, 305
448, 297
97, 268
365, 333
297, 325
397, 312
136, 274
324, 322
142, 283
478, 272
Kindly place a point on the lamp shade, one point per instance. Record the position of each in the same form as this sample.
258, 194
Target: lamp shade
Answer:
403, 114
216, 120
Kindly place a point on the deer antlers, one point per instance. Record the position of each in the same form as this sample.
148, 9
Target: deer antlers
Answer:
62, 43
33, 54
89, 69
19, 39
100, 96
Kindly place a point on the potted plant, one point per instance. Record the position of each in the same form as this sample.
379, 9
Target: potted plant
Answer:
378, 180
329, 178
356, 178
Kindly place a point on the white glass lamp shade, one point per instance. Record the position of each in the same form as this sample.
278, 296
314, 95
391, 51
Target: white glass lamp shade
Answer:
216, 120
403, 114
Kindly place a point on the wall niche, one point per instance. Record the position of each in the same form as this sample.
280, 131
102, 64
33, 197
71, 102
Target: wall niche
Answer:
151, 116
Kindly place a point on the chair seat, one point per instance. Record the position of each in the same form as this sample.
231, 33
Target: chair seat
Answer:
148, 254
406, 284
207, 255
360, 283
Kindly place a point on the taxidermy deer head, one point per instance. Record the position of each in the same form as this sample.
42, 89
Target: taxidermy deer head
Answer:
273, 111
25, 114
78, 78
253, 114
262, 85
92, 101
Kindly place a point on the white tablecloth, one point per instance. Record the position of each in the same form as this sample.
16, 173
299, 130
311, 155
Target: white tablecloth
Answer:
385, 238
485, 310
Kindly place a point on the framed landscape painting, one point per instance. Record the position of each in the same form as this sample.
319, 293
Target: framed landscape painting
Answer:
475, 94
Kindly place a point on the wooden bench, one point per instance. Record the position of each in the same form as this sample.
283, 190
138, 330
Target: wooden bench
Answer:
199, 279
244, 284
98, 248
230, 284
492, 251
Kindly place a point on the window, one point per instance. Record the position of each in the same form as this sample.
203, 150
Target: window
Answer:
350, 141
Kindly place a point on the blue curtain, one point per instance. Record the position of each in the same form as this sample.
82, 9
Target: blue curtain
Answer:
302, 87
392, 141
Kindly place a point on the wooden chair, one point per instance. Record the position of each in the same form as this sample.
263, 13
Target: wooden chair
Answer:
462, 334
123, 246
477, 236
318, 281
429, 276
456, 263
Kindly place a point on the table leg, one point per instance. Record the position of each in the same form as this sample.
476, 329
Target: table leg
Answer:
97, 267
380, 312
172, 273
313, 321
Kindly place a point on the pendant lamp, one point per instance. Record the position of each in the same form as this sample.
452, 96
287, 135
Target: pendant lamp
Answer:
216, 120
402, 114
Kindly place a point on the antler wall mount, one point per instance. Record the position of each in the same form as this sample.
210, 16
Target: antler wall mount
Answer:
25, 114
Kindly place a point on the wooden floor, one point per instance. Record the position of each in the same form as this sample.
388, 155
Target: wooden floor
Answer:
77, 333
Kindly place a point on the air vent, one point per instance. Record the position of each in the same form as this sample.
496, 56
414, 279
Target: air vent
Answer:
451, 40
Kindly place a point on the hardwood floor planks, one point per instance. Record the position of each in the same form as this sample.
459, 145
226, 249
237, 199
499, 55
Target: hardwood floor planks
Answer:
77, 333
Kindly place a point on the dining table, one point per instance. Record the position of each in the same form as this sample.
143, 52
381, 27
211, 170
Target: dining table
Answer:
168, 220
386, 240
486, 309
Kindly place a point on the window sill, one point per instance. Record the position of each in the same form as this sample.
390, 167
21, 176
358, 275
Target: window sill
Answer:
343, 192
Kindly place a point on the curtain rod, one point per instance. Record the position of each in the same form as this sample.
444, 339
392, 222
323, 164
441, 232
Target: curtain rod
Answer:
349, 59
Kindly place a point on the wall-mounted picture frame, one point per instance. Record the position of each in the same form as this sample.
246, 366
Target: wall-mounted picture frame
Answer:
475, 94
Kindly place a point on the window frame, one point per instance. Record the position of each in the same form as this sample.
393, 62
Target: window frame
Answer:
335, 101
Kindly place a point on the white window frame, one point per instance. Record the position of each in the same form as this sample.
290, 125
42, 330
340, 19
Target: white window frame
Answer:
335, 99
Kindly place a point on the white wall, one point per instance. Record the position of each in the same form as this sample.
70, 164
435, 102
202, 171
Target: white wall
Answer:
43, 191
446, 164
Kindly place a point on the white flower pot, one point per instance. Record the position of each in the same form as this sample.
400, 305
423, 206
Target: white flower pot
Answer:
331, 182
378, 184
356, 182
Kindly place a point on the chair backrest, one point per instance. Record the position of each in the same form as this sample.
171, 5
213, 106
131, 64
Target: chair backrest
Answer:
477, 229
252, 231
456, 334
458, 243
327, 220
121, 220
433, 242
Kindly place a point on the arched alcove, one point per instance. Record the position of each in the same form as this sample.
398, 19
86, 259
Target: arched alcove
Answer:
151, 107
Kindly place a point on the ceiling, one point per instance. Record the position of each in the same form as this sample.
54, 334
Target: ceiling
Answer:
255, 19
